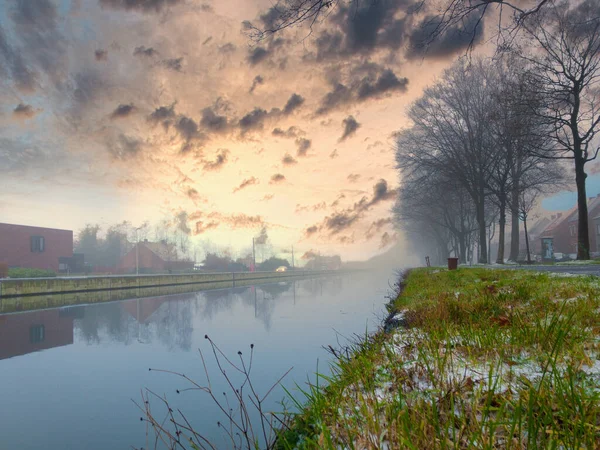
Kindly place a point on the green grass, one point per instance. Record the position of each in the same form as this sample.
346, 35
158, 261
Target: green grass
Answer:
490, 359
20, 272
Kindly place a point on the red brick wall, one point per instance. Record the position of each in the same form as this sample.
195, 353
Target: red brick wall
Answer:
15, 331
15, 246
147, 260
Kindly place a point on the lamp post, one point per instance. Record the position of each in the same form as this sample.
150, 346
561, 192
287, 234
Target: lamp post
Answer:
137, 251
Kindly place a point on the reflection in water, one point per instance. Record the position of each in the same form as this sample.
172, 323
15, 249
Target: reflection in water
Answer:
167, 320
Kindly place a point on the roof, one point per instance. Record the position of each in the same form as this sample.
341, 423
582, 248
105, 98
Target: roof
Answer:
166, 252
558, 220
33, 227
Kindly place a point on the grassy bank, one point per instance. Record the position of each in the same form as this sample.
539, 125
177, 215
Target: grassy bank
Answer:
482, 359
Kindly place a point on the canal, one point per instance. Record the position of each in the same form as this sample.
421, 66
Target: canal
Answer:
69, 376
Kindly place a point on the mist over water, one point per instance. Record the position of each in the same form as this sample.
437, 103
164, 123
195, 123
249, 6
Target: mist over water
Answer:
78, 391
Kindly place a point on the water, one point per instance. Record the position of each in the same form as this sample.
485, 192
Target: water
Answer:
68, 376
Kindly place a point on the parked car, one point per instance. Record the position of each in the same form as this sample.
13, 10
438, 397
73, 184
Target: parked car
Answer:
281, 269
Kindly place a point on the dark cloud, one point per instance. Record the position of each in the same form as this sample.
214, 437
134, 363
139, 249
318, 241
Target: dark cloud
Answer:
254, 120
122, 111
193, 194
291, 132
350, 126
23, 111
381, 192
84, 91
227, 48
293, 103
359, 28
213, 121
144, 51
258, 80
124, 147
257, 54
188, 130
334, 154
342, 220
206, 8
288, 160
277, 178
311, 254
303, 145
202, 227
207, 40
164, 115
353, 177
360, 89
218, 162
376, 226
13, 66
452, 40
173, 64
247, 182
311, 230
101, 55
145, 6
38, 28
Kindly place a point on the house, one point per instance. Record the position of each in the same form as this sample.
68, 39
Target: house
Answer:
34, 331
153, 257
563, 229
34, 247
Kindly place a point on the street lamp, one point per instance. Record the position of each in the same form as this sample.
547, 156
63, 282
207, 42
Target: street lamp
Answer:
137, 251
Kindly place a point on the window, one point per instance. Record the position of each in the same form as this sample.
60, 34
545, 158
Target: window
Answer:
38, 244
572, 230
37, 333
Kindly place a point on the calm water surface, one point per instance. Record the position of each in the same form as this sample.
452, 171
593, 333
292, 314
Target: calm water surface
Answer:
68, 376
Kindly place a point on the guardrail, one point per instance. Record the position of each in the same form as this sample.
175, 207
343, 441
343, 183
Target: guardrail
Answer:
21, 287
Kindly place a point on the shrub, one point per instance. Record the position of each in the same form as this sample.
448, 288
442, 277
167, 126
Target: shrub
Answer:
22, 272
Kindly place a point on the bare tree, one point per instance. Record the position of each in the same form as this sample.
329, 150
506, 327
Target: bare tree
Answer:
565, 69
451, 135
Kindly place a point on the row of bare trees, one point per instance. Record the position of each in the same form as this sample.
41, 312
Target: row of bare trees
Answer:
486, 139
472, 156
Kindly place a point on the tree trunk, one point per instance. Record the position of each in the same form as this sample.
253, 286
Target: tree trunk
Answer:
526, 239
583, 238
514, 230
482, 230
501, 225
463, 248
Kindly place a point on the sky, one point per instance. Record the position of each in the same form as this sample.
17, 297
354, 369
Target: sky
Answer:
138, 110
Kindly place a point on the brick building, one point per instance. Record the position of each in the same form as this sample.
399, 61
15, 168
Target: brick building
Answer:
34, 247
153, 257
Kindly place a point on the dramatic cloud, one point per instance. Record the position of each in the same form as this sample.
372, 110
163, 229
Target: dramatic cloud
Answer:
122, 111
13, 66
311, 230
257, 54
202, 227
334, 154
360, 89
386, 239
291, 132
247, 182
353, 177
288, 160
124, 147
219, 162
227, 48
303, 145
382, 193
143, 51
376, 226
258, 80
164, 115
277, 178
294, 102
146, 6
188, 130
24, 112
453, 40
350, 126
173, 64
213, 122
193, 194
311, 254
101, 55
254, 120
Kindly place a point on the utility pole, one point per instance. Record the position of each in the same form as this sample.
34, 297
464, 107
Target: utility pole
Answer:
253, 257
137, 251
293, 266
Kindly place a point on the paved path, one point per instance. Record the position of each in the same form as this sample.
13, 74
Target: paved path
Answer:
583, 269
